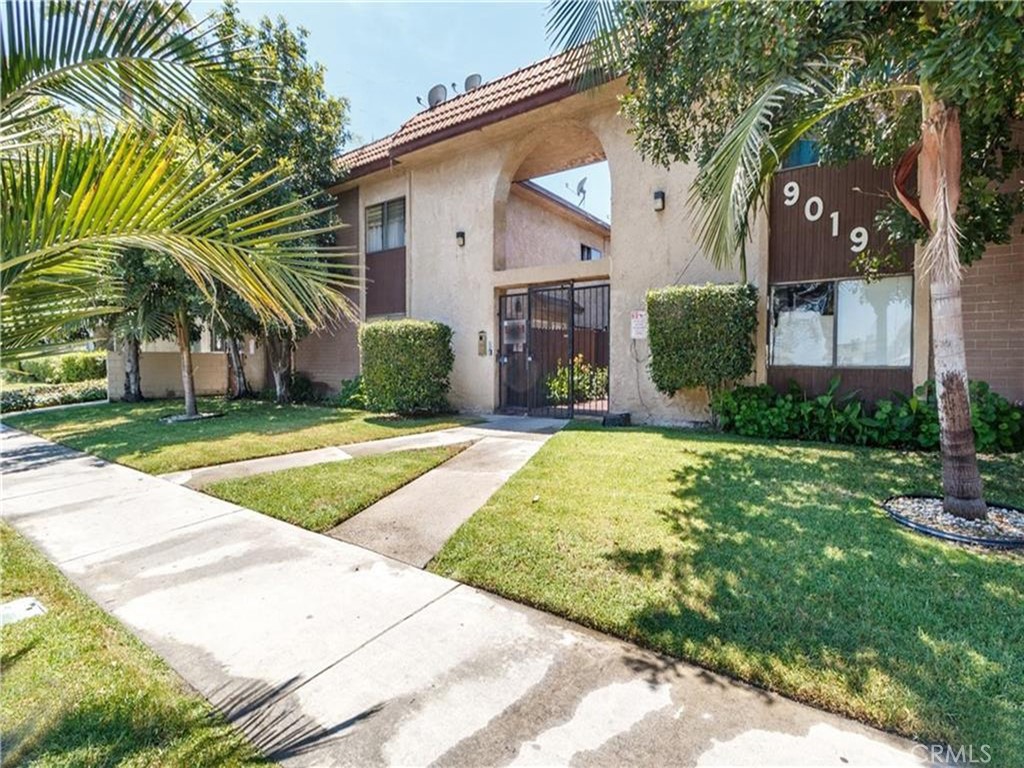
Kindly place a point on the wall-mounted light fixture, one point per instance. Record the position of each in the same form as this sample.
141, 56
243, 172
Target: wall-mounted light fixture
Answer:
659, 201
460, 238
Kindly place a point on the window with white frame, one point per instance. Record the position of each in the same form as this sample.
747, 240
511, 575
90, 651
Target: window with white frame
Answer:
385, 225
842, 323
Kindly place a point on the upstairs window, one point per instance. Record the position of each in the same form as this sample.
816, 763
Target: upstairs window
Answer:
385, 225
589, 253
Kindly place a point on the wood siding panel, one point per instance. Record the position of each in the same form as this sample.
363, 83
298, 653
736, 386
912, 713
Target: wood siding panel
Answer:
869, 383
385, 282
802, 250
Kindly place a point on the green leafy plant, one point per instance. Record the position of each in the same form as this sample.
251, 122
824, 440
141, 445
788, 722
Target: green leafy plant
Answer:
407, 366
701, 336
67, 369
44, 396
351, 394
903, 422
589, 382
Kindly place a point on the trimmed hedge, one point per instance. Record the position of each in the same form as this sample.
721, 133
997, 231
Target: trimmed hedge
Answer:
701, 336
904, 422
26, 397
407, 366
67, 369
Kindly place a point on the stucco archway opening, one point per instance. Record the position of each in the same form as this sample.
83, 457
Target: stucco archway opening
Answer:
552, 238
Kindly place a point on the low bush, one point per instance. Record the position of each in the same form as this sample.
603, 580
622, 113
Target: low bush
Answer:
303, 390
407, 366
902, 422
350, 394
590, 382
67, 369
27, 397
701, 336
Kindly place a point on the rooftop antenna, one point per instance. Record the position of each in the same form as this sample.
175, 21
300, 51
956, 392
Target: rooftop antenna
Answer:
473, 81
420, 101
437, 95
581, 191
455, 88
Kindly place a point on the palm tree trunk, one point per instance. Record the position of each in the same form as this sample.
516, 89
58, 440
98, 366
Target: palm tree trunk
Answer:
237, 369
188, 382
132, 373
939, 184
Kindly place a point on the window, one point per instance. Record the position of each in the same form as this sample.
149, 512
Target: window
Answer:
843, 324
804, 152
589, 253
385, 225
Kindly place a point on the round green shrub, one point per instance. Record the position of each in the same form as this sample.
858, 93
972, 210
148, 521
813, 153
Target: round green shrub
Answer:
407, 366
701, 336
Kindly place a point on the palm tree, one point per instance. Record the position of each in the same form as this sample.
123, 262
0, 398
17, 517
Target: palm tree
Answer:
732, 183
73, 200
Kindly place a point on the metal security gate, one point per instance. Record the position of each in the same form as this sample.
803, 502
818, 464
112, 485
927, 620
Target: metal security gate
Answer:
555, 351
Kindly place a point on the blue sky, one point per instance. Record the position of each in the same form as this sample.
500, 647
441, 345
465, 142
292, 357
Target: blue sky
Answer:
382, 55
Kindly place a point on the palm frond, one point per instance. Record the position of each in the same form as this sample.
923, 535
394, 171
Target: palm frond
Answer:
733, 183
590, 31
115, 59
70, 206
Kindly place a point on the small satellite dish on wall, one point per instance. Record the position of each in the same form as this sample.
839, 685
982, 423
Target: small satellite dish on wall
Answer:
473, 81
437, 95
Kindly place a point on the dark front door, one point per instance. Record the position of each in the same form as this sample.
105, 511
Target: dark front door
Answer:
555, 350
513, 318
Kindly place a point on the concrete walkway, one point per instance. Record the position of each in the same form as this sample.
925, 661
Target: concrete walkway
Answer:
414, 522
325, 653
492, 426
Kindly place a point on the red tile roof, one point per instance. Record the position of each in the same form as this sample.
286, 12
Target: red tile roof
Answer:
541, 83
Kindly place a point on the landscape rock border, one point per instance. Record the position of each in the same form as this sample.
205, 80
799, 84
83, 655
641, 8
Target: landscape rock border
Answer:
1005, 543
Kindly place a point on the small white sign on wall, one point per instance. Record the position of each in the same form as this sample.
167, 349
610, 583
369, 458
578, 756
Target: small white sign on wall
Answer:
638, 324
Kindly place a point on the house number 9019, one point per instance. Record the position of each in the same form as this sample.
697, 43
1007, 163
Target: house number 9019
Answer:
815, 207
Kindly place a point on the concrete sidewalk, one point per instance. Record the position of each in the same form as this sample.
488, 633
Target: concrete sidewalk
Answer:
492, 426
414, 522
327, 654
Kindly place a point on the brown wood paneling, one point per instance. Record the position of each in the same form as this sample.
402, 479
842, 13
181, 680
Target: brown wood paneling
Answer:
803, 250
385, 282
869, 383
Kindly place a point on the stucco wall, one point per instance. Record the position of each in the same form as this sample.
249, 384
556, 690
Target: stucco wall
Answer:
161, 374
536, 236
464, 184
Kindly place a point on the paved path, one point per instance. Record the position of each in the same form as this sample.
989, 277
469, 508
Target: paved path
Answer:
491, 426
328, 654
413, 523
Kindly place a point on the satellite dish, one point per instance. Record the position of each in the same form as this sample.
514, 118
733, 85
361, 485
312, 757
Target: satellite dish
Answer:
437, 94
473, 81
581, 191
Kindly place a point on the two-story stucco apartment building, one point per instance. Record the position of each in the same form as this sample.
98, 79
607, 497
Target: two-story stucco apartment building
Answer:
449, 227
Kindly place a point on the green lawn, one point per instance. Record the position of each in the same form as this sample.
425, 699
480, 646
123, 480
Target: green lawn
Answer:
321, 496
771, 563
132, 434
79, 690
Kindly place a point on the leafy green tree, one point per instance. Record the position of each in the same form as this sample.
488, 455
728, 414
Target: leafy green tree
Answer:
73, 199
733, 87
300, 133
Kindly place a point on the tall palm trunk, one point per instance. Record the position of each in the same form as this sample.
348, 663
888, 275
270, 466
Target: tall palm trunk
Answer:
188, 383
939, 185
132, 373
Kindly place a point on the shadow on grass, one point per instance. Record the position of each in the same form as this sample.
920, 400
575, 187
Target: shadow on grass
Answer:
783, 571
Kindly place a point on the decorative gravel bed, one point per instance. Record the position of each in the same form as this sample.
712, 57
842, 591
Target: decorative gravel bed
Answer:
1004, 527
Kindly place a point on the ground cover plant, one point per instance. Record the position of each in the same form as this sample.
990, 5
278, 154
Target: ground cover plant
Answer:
771, 563
320, 497
80, 690
132, 433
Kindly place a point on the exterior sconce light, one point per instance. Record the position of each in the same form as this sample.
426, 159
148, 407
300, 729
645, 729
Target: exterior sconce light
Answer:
659, 201
460, 238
